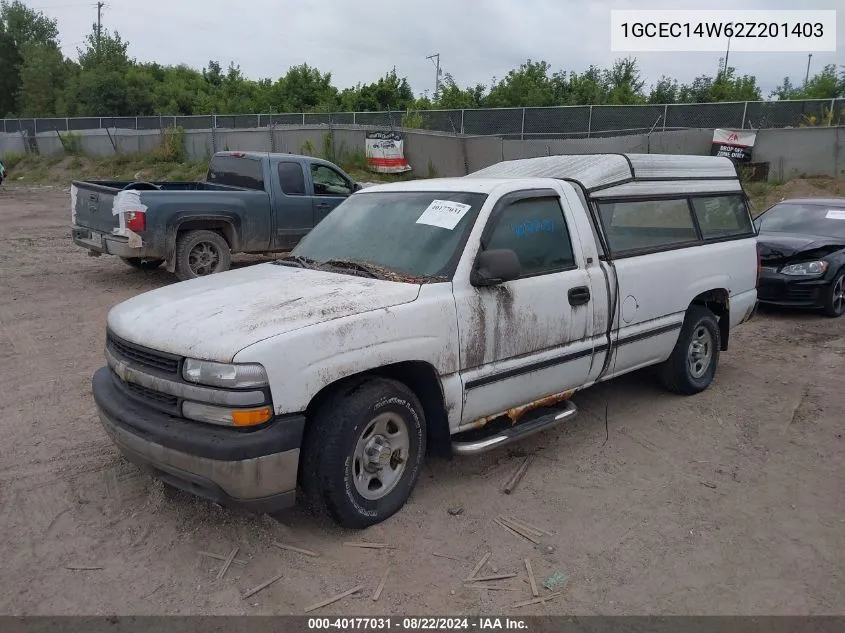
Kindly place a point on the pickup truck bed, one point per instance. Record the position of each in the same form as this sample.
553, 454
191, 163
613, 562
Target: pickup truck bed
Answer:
250, 202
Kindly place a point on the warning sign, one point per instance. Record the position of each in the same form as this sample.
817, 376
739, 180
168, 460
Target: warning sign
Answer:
734, 144
386, 153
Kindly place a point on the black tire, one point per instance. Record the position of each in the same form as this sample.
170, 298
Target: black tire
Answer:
834, 304
142, 263
201, 253
680, 374
329, 462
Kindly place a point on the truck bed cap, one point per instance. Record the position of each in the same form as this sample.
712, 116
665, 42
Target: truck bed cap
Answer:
599, 171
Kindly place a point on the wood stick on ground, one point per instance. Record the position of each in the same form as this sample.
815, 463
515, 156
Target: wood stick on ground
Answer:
82, 567
262, 586
439, 555
528, 569
492, 588
496, 577
479, 565
511, 484
329, 601
518, 526
370, 545
380, 587
533, 528
238, 561
551, 596
291, 548
516, 532
228, 563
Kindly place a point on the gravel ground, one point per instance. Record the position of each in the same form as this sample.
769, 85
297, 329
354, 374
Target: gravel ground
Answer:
729, 502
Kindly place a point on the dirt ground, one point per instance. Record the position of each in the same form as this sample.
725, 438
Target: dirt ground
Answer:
729, 502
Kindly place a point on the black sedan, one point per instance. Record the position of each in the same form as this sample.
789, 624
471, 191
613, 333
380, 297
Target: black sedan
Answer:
802, 254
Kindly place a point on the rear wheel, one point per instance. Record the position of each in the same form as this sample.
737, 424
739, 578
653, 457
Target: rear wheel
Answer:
834, 305
201, 253
142, 263
363, 453
692, 366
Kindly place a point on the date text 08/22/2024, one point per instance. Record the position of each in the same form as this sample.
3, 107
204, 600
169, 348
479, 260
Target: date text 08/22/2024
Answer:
416, 623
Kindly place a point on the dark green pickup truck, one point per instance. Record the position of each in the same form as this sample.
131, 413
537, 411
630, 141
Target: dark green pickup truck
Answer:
250, 202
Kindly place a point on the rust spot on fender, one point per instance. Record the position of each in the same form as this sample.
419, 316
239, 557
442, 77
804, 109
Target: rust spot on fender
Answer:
516, 413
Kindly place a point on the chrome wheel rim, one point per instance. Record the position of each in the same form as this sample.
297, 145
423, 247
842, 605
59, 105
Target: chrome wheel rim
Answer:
700, 353
838, 298
203, 258
380, 456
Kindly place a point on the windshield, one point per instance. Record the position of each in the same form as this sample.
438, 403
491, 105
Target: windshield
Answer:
807, 219
414, 233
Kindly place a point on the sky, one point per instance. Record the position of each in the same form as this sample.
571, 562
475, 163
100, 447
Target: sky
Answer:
358, 42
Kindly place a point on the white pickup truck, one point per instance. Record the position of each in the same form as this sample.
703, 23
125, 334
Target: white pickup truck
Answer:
453, 315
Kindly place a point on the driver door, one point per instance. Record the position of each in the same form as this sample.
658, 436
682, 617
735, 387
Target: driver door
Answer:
527, 338
330, 189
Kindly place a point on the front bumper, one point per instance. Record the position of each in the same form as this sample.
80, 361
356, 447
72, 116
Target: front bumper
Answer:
256, 470
107, 244
791, 291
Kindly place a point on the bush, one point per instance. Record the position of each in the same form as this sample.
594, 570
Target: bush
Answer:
11, 159
171, 149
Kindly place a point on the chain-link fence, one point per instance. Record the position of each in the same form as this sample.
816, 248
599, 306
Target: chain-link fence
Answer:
522, 123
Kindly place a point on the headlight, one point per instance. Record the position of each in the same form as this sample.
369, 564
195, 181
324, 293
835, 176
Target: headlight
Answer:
224, 375
806, 268
226, 417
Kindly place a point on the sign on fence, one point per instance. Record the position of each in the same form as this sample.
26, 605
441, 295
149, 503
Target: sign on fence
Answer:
734, 144
385, 153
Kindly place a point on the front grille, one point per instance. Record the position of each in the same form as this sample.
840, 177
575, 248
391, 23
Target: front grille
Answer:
150, 395
799, 293
166, 363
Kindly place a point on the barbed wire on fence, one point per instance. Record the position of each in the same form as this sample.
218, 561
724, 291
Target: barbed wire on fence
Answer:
530, 122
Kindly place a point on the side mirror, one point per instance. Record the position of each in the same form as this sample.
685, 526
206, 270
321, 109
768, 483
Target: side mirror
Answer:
495, 267
356, 187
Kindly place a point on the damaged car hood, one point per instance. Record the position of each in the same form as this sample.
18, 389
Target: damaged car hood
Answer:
779, 247
215, 317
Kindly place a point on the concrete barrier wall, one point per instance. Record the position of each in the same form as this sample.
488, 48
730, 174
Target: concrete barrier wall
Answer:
791, 153
795, 153
11, 144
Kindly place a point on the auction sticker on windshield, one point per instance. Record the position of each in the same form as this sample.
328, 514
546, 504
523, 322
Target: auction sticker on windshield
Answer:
444, 214
835, 214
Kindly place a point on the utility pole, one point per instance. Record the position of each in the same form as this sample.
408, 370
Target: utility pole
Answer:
727, 54
807, 76
436, 61
99, 24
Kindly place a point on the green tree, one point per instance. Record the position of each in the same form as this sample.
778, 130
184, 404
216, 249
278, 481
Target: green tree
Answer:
528, 85
664, 91
452, 97
623, 82
20, 26
43, 74
304, 89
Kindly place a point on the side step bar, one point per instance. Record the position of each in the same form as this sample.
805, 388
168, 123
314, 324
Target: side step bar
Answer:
516, 432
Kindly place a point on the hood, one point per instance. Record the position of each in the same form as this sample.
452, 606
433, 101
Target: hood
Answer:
778, 247
215, 317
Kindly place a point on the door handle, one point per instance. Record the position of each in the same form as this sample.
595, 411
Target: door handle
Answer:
323, 205
579, 296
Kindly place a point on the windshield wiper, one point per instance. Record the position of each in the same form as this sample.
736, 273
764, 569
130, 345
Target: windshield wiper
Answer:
368, 270
301, 261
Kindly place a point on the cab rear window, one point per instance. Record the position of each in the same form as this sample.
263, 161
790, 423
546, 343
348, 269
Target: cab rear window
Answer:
237, 171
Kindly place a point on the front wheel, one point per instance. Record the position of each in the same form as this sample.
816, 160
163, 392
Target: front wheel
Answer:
200, 253
363, 453
834, 305
692, 366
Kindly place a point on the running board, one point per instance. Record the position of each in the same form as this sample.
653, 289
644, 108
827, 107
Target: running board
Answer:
516, 432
